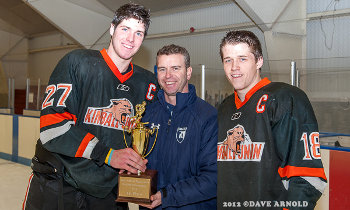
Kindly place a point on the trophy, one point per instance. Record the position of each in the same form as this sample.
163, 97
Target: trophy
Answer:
138, 188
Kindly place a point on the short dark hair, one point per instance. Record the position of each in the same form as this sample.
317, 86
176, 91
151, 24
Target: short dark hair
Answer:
248, 37
175, 49
132, 10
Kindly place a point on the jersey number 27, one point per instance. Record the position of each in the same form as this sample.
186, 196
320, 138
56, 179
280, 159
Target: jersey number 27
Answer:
51, 89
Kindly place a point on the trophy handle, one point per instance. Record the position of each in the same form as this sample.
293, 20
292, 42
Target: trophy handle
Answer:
126, 144
153, 142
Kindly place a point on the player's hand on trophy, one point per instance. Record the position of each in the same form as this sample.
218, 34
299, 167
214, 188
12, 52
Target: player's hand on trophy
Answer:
127, 159
156, 201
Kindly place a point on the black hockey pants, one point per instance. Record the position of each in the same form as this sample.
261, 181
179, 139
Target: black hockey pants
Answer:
47, 189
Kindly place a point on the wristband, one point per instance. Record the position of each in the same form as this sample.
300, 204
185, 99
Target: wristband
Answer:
109, 156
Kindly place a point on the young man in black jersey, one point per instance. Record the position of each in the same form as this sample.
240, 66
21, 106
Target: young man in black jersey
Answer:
268, 141
90, 98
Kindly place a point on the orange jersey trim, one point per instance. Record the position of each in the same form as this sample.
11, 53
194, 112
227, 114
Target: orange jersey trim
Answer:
51, 119
258, 86
122, 78
290, 171
26, 196
84, 144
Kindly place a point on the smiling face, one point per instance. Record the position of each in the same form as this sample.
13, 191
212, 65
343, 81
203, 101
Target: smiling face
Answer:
173, 76
126, 39
241, 68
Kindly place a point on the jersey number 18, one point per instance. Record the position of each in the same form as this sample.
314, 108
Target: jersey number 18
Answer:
311, 145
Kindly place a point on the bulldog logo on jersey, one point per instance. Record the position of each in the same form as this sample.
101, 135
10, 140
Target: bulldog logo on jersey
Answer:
180, 134
235, 137
116, 115
121, 109
237, 146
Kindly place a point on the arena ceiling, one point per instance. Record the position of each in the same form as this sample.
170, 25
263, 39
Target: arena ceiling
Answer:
19, 18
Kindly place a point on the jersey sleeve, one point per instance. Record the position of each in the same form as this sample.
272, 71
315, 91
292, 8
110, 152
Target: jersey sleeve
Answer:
295, 131
59, 132
201, 187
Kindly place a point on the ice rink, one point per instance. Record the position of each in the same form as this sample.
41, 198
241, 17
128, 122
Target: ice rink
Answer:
13, 181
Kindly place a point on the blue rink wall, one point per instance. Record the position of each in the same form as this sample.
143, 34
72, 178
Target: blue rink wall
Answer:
18, 137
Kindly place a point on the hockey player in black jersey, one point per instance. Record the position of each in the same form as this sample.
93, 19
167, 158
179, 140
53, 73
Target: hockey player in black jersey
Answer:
91, 95
268, 141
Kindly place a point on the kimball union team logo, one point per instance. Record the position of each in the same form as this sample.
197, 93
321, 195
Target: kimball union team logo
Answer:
238, 146
180, 134
115, 116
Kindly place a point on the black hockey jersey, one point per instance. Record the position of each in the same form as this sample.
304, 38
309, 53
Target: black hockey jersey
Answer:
87, 102
268, 150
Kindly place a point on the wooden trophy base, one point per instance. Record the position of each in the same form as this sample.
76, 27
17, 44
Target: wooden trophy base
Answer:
137, 189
